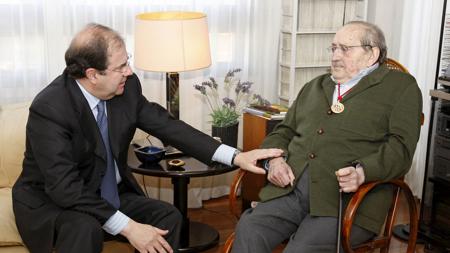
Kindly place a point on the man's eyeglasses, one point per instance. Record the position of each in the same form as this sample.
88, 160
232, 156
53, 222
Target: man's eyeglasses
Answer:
124, 67
344, 49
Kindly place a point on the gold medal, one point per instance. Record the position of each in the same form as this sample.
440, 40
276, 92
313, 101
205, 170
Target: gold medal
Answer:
337, 107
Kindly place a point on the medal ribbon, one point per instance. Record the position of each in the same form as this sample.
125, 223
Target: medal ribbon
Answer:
339, 97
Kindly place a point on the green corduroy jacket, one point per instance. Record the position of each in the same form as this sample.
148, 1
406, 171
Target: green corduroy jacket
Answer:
379, 129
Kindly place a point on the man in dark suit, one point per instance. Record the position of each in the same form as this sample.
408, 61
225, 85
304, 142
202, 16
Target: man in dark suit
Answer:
75, 182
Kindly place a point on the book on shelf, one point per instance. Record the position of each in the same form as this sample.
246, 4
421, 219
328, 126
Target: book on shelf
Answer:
268, 112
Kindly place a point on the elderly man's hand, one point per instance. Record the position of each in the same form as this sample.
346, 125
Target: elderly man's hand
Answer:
248, 160
350, 178
280, 173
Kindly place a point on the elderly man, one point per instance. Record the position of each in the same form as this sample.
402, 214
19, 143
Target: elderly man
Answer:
359, 124
75, 190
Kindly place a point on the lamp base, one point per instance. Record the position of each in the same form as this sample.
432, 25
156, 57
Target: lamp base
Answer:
172, 94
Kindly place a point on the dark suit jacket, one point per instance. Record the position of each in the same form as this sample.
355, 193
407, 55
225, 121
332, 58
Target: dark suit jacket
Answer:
65, 156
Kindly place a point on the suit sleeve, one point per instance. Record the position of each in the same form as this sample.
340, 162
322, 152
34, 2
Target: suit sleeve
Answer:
155, 120
394, 157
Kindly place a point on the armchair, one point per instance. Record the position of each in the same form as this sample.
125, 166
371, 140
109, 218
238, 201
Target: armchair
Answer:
382, 241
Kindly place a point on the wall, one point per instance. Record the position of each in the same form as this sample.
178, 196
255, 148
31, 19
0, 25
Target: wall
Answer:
386, 14
412, 30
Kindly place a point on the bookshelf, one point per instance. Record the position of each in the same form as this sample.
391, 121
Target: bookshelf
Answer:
307, 29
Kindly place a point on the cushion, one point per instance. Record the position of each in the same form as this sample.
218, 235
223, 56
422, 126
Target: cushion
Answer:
13, 119
13, 249
9, 235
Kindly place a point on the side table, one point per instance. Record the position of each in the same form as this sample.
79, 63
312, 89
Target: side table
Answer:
195, 236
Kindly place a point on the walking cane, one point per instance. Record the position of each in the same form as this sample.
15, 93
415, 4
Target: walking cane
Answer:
338, 243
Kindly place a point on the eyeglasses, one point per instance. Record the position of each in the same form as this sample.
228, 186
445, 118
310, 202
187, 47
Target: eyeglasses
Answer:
344, 49
124, 67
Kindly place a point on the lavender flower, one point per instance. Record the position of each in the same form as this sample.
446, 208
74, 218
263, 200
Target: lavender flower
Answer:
246, 87
229, 76
207, 83
200, 88
229, 102
260, 100
214, 83
226, 109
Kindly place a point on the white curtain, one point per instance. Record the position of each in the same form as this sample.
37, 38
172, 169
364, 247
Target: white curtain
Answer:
244, 34
419, 51
412, 29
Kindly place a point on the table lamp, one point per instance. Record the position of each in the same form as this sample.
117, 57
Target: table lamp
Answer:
171, 42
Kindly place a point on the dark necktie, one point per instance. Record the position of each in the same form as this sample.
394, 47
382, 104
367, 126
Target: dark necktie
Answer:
109, 183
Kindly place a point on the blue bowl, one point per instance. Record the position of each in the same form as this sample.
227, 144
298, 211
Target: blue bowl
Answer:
149, 154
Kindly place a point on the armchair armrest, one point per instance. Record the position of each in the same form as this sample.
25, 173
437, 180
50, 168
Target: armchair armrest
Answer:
384, 239
235, 185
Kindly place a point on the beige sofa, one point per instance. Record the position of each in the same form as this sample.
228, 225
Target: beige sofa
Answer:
13, 119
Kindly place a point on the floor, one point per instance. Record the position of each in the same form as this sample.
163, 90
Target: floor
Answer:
215, 213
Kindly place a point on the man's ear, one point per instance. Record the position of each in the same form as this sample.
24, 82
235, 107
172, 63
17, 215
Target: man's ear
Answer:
91, 74
374, 56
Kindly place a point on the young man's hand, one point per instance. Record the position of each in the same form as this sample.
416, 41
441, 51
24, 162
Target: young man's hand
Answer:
146, 238
248, 160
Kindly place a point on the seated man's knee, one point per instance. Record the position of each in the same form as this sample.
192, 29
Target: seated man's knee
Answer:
85, 224
246, 222
76, 228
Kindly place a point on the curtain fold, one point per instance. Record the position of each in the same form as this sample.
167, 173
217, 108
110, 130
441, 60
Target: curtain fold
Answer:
244, 34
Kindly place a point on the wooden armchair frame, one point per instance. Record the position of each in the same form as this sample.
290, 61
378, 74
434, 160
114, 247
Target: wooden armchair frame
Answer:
381, 241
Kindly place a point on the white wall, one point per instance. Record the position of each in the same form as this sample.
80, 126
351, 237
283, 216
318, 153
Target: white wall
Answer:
412, 30
388, 15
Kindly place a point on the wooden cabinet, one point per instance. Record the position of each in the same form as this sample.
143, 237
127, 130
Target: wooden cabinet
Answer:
255, 130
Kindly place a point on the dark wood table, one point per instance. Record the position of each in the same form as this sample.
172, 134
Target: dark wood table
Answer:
195, 236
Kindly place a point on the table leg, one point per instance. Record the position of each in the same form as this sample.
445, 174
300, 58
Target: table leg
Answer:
195, 236
180, 185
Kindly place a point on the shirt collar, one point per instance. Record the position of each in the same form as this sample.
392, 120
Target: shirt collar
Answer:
359, 76
92, 100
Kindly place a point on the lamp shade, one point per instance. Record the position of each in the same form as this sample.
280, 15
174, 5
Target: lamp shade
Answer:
171, 41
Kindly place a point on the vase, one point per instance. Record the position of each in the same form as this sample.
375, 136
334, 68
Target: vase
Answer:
228, 135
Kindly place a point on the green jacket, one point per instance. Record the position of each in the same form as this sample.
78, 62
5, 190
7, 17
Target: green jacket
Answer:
379, 129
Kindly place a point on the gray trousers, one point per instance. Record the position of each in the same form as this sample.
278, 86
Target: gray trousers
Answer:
262, 228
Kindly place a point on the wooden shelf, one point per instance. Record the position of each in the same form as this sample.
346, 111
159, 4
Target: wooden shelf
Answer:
444, 82
440, 94
307, 30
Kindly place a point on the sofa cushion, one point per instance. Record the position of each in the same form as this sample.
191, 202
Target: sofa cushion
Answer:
9, 235
13, 119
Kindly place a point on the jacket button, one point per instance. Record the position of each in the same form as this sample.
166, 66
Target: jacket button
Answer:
312, 156
320, 131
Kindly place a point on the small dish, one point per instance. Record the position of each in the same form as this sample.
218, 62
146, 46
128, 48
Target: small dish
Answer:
150, 154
